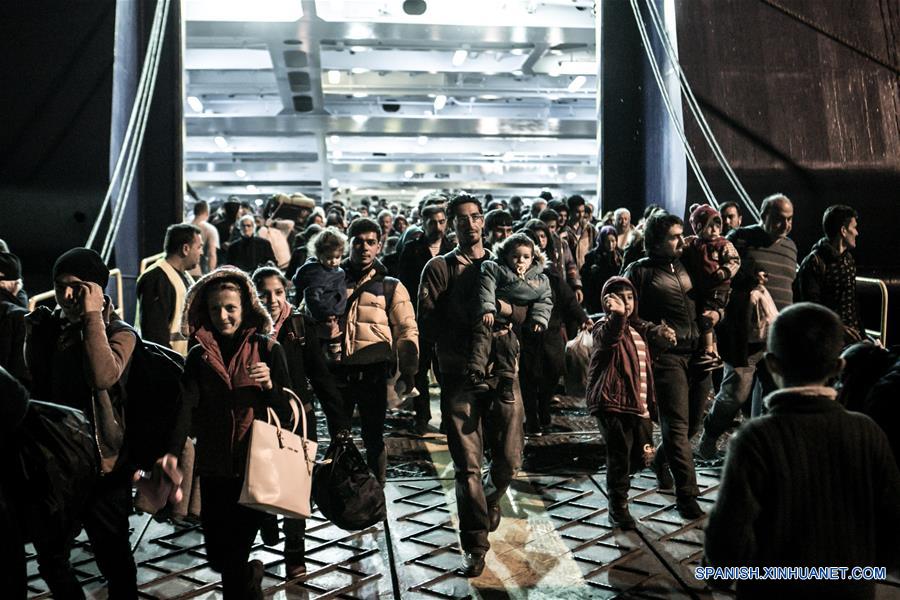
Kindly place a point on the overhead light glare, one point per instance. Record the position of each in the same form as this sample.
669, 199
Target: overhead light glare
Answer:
577, 83
459, 57
423, 139
489, 97
517, 51
252, 188
334, 139
241, 173
359, 48
360, 95
337, 155
221, 142
554, 70
359, 70
570, 175
195, 104
440, 101
408, 174
333, 182
360, 118
334, 77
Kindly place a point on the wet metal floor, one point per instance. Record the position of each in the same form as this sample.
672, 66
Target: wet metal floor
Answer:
554, 541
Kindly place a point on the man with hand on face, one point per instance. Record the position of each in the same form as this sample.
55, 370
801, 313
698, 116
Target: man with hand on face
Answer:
378, 330
162, 288
77, 355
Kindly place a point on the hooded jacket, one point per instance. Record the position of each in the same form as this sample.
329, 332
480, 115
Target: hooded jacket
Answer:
375, 332
498, 281
614, 369
829, 278
219, 401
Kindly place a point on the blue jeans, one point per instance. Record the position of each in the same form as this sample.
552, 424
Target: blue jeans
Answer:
738, 385
474, 421
681, 393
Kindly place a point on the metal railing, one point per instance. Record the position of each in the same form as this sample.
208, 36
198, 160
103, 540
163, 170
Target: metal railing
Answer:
881, 333
146, 262
48, 295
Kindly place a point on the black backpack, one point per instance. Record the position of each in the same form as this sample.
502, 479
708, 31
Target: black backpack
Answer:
152, 395
347, 493
57, 462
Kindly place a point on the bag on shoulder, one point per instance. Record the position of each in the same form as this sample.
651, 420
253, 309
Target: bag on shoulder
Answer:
347, 493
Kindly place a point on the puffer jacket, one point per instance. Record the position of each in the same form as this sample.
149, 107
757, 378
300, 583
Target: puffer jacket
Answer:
665, 290
613, 380
375, 332
500, 282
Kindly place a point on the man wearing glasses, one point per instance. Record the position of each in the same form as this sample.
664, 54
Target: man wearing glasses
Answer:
446, 313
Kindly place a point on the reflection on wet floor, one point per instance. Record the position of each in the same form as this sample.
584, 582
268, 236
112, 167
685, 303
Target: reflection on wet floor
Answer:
554, 541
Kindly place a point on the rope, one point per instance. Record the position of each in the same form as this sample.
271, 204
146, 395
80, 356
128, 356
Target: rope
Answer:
694, 107
695, 166
154, 51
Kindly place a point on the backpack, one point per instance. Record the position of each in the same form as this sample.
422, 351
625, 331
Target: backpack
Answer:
347, 493
58, 464
152, 393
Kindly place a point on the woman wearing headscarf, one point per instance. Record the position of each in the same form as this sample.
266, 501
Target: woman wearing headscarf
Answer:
232, 374
601, 263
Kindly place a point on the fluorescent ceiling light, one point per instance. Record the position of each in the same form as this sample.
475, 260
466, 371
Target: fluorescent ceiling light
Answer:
577, 83
337, 155
333, 182
360, 95
490, 97
241, 173
334, 139
195, 104
459, 57
359, 48
570, 175
360, 118
274, 11
423, 139
433, 72
252, 188
359, 70
517, 51
518, 73
440, 101
554, 70
221, 142
334, 77
408, 174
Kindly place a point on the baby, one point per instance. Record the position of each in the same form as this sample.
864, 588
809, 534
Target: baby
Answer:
516, 277
711, 261
320, 282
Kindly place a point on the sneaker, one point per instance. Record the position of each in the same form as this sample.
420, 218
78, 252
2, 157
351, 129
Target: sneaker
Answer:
620, 517
707, 449
472, 565
664, 479
476, 383
689, 508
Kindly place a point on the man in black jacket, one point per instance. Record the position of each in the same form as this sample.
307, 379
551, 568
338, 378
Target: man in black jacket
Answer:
809, 484
413, 258
12, 319
664, 289
250, 251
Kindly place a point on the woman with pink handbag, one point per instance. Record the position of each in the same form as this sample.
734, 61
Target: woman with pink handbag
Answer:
232, 374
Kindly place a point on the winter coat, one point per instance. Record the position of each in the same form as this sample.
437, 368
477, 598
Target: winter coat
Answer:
84, 365
12, 337
249, 253
499, 282
580, 245
614, 370
829, 278
218, 402
808, 484
413, 258
375, 332
665, 290
598, 267
323, 290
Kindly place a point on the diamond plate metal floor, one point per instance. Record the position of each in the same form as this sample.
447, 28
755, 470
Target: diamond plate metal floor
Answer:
553, 542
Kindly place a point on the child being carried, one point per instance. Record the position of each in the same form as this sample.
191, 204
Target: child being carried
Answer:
514, 276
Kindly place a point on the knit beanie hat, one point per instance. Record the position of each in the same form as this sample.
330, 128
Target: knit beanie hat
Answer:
10, 267
83, 263
700, 216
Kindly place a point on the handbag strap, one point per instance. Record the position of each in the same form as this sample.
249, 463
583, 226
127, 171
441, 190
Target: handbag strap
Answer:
297, 407
293, 402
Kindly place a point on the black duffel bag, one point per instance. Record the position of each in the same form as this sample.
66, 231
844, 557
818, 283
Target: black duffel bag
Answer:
347, 493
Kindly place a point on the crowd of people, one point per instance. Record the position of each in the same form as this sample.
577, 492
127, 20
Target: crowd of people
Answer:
348, 304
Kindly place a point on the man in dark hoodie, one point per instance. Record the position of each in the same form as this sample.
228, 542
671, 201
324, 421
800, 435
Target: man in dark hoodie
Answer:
808, 484
12, 319
827, 275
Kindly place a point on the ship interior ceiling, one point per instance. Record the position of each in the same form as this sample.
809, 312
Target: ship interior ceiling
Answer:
369, 98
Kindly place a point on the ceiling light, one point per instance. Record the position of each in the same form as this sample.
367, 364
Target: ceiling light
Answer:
517, 73
360, 118
195, 104
577, 83
440, 101
408, 174
334, 77
252, 188
241, 173
284, 11
427, 113
333, 182
570, 175
459, 57
334, 139
507, 156
553, 97
359, 48
337, 155
433, 72
359, 70
489, 97
423, 139
221, 142
360, 95
517, 51
554, 70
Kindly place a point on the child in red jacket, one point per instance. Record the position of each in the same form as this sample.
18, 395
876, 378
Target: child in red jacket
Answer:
620, 390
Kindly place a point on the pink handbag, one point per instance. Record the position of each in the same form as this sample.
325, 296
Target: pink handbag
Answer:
278, 475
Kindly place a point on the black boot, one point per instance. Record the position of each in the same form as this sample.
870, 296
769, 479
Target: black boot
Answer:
619, 515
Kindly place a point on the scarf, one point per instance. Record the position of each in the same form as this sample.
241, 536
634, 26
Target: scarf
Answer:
234, 374
284, 315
